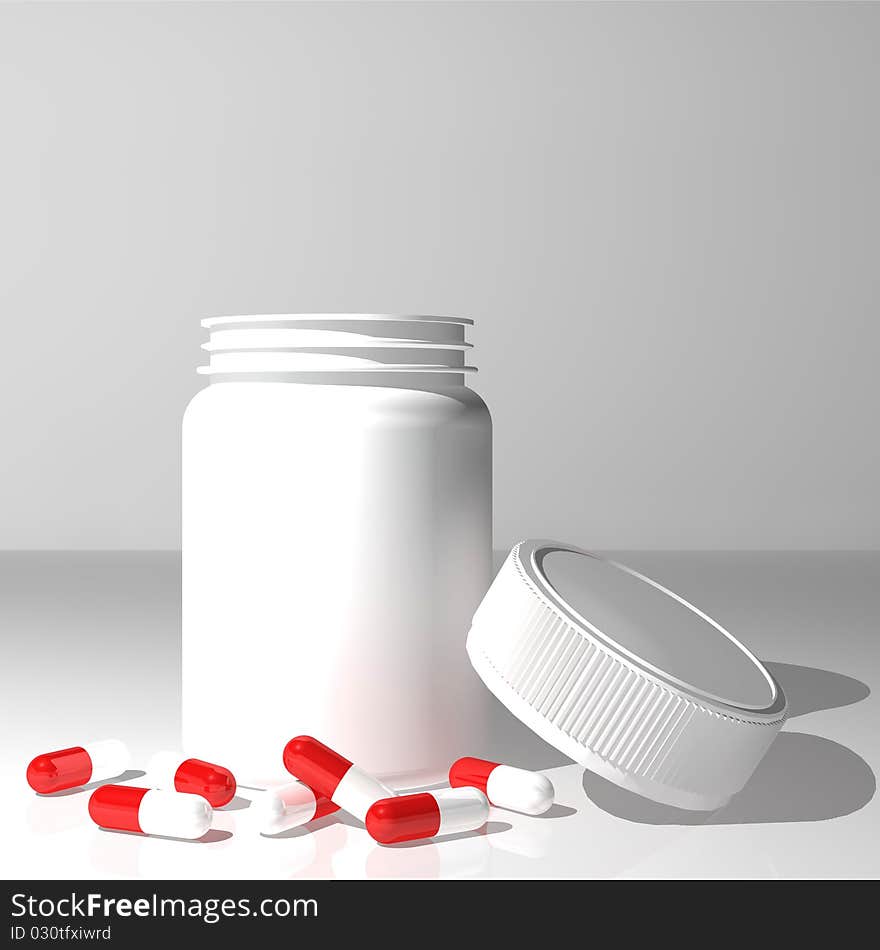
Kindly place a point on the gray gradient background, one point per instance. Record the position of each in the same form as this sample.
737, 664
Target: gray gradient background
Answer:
664, 218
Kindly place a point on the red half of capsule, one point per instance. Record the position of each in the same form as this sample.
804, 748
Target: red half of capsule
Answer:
55, 771
405, 818
116, 806
317, 765
323, 806
212, 782
471, 772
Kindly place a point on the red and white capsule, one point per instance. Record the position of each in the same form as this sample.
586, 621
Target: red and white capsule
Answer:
150, 811
214, 783
329, 774
79, 765
447, 811
289, 806
505, 786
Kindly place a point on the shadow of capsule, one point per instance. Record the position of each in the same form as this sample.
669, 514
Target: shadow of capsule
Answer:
236, 804
127, 776
61, 811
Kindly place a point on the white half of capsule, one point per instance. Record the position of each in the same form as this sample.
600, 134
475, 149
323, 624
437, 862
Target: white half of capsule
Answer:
461, 809
110, 758
286, 806
162, 768
519, 790
174, 814
358, 790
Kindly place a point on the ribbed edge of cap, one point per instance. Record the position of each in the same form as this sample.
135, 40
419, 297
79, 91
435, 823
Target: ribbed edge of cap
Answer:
604, 711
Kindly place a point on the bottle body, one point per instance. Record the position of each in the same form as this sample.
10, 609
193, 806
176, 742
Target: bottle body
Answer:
336, 542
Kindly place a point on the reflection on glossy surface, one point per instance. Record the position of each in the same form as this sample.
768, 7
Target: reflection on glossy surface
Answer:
237, 855
810, 811
532, 840
45, 816
740, 858
288, 806
465, 857
332, 838
114, 855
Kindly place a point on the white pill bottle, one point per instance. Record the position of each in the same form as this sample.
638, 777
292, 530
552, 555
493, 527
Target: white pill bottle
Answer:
337, 539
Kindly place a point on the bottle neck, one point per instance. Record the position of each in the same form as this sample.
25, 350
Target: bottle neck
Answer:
364, 349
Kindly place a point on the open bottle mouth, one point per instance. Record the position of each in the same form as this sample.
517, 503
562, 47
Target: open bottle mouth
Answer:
336, 342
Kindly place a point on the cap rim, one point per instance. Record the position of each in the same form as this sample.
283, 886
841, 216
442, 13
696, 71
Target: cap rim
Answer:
584, 695
528, 553
677, 798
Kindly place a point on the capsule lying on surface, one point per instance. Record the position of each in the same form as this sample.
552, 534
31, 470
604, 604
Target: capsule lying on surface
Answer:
329, 774
505, 786
289, 806
214, 783
78, 765
446, 811
150, 811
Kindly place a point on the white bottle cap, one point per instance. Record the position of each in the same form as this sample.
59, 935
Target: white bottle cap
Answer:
624, 676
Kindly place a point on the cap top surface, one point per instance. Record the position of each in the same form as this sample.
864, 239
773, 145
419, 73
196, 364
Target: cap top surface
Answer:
655, 628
